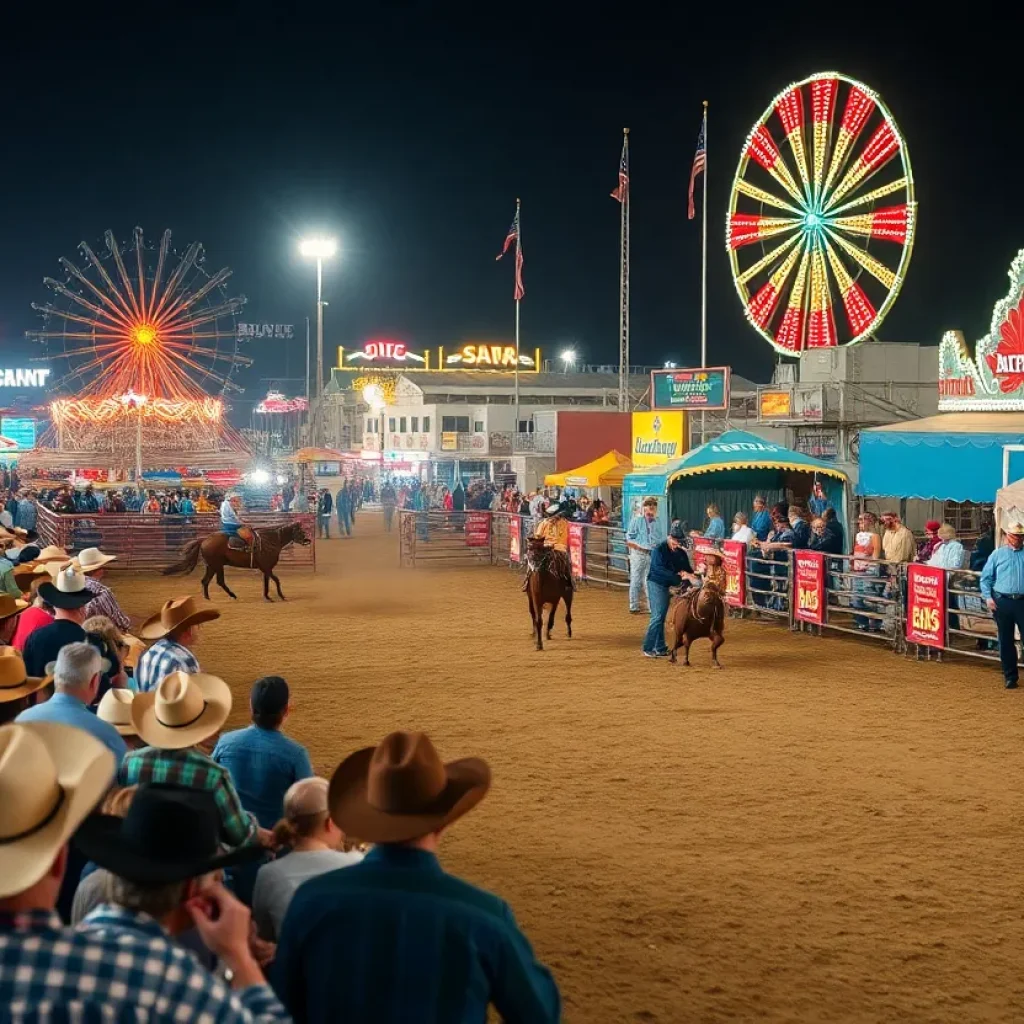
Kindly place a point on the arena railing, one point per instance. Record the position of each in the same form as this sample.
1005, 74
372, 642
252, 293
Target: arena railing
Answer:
969, 627
444, 539
150, 541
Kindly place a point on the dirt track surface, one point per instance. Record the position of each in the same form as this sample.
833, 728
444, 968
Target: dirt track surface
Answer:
819, 832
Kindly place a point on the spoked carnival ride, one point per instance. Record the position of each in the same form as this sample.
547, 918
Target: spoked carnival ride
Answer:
144, 346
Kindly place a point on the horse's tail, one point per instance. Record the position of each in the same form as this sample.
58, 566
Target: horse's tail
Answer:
189, 560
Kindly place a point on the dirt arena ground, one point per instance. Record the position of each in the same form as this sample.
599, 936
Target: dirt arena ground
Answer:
820, 832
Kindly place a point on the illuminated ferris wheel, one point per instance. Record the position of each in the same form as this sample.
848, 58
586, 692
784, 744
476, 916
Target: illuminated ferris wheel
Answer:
829, 223
142, 320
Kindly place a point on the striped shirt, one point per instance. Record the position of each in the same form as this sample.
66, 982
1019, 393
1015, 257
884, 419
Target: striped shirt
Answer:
104, 603
194, 769
163, 658
118, 965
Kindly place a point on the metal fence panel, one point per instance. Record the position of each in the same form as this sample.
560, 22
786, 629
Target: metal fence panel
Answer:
443, 539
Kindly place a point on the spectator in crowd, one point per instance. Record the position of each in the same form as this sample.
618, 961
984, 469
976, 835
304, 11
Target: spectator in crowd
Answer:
1002, 587
599, 513
740, 531
36, 615
984, 547
459, 497
115, 503
17, 691
175, 628
203, 503
47, 972
346, 510
316, 847
643, 535
262, 761
930, 542
800, 527
776, 549
897, 541
172, 720
867, 548
8, 583
28, 513
715, 529
68, 596
92, 889
761, 521
90, 503
115, 708
823, 539
413, 923
324, 506
161, 856
670, 567
76, 680
388, 500
818, 503
833, 526
92, 563
948, 552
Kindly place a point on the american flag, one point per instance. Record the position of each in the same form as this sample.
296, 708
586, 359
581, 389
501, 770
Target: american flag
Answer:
622, 191
699, 162
514, 235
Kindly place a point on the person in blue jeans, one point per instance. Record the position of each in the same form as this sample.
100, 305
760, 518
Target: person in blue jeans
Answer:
670, 567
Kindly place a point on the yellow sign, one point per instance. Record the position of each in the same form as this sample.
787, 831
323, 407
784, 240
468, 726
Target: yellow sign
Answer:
449, 441
658, 437
491, 357
776, 404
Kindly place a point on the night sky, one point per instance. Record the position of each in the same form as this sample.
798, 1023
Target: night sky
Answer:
409, 135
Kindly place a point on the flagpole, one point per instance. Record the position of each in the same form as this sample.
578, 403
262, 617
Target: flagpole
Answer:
624, 286
704, 269
519, 234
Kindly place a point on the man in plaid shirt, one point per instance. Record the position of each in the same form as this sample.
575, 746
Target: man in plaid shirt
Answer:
174, 629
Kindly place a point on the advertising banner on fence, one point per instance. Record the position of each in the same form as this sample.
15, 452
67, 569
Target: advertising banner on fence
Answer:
809, 595
577, 557
513, 539
926, 605
478, 529
734, 563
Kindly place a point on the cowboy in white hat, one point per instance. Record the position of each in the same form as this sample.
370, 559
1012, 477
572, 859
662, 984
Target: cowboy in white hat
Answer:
115, 708
401, 796
172, 720
68, 596
172, 631
161, 854
92, 563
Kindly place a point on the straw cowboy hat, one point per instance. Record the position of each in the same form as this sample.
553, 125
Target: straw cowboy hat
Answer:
401, 790
182, 711
68, 590
1014, 524
115, 708
10, 606
170, 834
175, 614
14, 683
90, 559
51, 777
716, 555
50, 554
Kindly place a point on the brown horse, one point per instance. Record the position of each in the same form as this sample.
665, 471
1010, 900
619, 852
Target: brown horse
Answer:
264, 552
545, 586
699, 613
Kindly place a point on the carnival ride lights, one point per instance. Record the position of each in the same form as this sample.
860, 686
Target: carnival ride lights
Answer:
795, 238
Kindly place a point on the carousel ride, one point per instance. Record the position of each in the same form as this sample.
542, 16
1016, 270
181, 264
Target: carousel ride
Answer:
144, 346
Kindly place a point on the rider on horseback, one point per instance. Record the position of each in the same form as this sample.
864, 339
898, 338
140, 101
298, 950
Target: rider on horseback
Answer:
554, 529
240, 536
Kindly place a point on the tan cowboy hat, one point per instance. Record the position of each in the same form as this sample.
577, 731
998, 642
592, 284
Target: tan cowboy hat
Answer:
89, 559
401, 790
717, 555
14, 683
10, 606
182, 711
51, 777
50, 554
176, 613
136, 648
115, 708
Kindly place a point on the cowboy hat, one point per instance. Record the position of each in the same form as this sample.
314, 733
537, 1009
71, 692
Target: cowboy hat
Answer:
10, 606
50, 554
717, 555
175, 614
563, 507
136, 648
89, 559
51, 777
14, 683
170, 834
68, 590
182, 711
401, 790
115, 708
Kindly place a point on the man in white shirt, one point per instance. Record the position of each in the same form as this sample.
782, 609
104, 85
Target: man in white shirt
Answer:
740, 530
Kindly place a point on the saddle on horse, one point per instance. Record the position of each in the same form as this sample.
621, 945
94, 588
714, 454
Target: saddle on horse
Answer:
241, 539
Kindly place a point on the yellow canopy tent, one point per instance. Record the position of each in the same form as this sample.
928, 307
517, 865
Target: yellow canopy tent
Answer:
607, 471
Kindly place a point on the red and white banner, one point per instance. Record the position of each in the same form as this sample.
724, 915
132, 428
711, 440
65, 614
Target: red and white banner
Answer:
809, 595
926, 605
735, 563
514, 540
478, 529
577, 556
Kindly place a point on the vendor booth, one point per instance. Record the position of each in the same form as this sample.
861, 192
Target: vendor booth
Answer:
730, 472
607, 471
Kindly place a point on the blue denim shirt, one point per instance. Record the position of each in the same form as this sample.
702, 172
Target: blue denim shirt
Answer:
262, 763
397, 940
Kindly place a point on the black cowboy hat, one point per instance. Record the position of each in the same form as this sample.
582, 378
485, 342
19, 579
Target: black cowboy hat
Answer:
565, 507
170, 834
69, 590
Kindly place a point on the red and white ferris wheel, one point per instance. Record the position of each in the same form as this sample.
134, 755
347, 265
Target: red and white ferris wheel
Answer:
822, 215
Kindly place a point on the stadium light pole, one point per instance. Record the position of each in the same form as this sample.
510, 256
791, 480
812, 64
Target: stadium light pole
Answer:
319, 249
569, 358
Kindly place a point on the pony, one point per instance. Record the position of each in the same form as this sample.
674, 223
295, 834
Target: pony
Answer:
545, 586
697, 614
263, 554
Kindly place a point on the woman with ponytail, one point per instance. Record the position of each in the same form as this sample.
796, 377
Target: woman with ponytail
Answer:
316, 844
